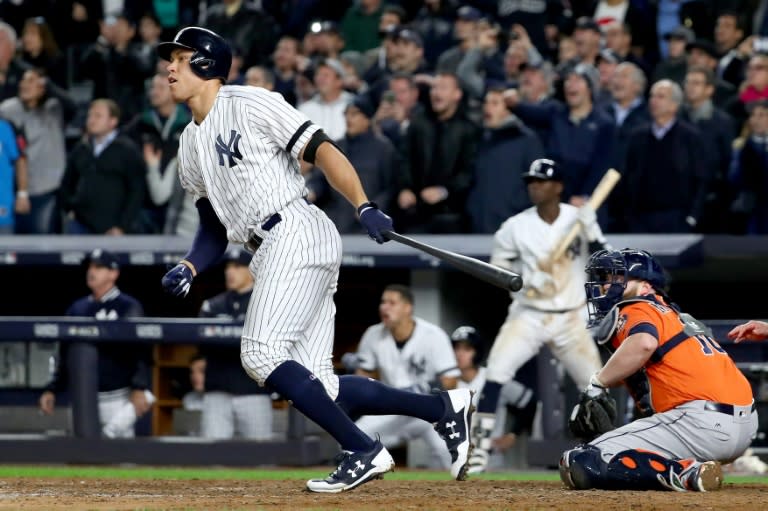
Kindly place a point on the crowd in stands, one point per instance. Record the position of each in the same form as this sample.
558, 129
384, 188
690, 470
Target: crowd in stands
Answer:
439, 104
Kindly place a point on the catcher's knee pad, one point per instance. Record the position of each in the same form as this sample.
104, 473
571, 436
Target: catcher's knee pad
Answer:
582, 468
260, 357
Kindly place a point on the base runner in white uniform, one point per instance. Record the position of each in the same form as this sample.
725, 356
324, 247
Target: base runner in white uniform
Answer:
408, 353
551, 308
239, 158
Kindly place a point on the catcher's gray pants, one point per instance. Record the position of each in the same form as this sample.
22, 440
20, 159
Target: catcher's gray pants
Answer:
226, 415
687, 431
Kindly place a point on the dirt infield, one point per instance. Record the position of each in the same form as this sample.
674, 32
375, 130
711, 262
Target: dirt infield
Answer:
133, 494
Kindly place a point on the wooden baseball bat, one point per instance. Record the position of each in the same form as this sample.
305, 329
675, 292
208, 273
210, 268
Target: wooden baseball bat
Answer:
494, 275
596, 200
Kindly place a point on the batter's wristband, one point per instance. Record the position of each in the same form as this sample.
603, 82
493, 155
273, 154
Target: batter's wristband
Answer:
366, 205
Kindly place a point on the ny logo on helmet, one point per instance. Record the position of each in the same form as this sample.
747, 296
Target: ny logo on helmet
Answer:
231, 149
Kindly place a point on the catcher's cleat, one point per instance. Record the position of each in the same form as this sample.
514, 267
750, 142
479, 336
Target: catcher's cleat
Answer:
454, 427
355, 468
706, 476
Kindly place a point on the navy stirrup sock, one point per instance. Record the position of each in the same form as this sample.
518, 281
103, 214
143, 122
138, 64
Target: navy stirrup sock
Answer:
489, 397
365, 396
297, 384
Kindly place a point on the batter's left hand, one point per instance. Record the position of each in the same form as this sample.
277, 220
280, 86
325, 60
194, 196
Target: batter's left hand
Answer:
587, 216
178, 281
374, 220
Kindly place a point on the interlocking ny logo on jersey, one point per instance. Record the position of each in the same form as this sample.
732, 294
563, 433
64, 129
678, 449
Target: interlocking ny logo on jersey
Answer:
231, 149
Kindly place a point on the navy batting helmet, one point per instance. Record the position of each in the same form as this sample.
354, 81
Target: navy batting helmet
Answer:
469, 335
543, 169
212, 56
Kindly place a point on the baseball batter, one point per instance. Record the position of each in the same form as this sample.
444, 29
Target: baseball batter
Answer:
697, 405
550, 309
239, 157
410, 353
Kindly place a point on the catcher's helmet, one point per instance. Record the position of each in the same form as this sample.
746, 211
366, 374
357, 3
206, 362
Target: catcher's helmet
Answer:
544, 169
468, 335
608, 272
212, 56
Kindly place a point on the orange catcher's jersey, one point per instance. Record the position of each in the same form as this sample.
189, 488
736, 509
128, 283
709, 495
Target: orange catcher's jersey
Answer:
688, 365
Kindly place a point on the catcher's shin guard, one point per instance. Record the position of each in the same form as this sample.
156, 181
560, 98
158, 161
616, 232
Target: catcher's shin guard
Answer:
635, 469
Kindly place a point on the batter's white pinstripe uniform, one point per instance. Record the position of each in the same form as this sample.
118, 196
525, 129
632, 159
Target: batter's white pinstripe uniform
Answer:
417, 365
243, 157
556, 317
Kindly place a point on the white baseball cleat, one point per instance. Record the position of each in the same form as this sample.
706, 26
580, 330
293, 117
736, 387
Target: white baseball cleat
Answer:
355, 468
454, 427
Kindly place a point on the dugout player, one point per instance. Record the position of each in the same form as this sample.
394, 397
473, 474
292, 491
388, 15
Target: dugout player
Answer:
240, 159
406, 352
124, 374
233, 404
550, 309
698, 407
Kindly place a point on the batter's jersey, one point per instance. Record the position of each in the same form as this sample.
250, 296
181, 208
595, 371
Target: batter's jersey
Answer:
244, 157
421, 360
525, 239
695, 367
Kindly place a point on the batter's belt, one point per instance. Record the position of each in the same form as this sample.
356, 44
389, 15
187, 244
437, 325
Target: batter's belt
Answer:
255, 241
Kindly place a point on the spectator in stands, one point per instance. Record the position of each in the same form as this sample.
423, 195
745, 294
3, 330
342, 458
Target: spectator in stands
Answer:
123, 368
14, 195
117, 65
409, 353
506, 150
233, 404
627, 108
360, 25
673, 67
103, 185
380, 62
149, 31
729, 33
409, 53
749, 174
484, 63
75, 23
39, 49
11, 68
665, 173
247, 26
566, 51
193, 400
434, 21
606, 65
536, 83
40, 117
618, 39
236, 75
580, 136
436, 170
702, 53
326, 108
717, 134
754, 87
397, 107
587, 36
259, 76
328, 40
157, 130
354, 67
287, 58
465, 31
541, 18
373, 157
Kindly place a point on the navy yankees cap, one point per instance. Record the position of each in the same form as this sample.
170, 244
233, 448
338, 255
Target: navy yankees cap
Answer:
237, 255
543, 169
101, 257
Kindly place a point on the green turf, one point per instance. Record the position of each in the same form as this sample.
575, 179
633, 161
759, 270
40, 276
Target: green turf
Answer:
112, 472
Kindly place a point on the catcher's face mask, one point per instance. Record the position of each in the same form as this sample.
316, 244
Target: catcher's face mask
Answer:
606, 283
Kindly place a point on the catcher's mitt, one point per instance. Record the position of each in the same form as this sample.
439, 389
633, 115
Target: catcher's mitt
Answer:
594, 415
